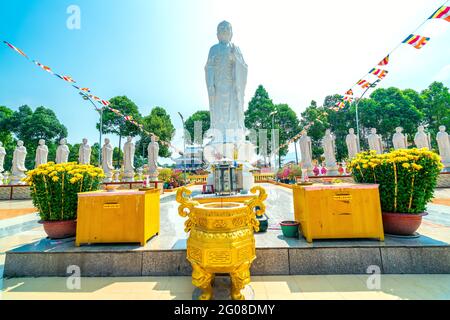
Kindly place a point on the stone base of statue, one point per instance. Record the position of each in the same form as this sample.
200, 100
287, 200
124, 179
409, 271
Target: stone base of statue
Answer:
446, 167
128, 176
16, 178
108, 177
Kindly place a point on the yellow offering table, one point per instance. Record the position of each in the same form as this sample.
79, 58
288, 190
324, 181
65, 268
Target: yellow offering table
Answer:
122, 216
342, 210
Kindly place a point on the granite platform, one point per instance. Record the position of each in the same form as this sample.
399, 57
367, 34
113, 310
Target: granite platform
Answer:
165, 254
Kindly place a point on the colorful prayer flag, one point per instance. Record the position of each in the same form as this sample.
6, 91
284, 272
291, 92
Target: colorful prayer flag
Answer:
363, 83
384, 62
349, 92
16, 49
43, 67
441, 13
416, 41
66, 78
380, 73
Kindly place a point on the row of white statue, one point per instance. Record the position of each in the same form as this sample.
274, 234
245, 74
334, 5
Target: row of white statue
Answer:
399, 140
84, 157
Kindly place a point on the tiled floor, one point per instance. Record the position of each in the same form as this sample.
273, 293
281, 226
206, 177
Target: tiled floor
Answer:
267, 287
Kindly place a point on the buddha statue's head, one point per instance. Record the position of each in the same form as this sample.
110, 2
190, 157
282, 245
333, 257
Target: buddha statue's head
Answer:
129, 139
351, 131
85, 141
107, 141
421, 128
373, 130
20, 143
442, 128
224, 32
41, 142
399, 129
62, 141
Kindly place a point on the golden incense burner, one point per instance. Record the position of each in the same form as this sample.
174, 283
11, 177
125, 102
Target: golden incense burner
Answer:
221, 239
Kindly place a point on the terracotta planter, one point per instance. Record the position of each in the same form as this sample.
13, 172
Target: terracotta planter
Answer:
404, 224
60, 229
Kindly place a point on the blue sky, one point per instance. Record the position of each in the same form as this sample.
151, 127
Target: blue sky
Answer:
154, 51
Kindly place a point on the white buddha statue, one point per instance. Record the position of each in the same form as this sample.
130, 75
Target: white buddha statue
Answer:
443, 141
62, 152
107, 160
41, 153
306, 151
128, 160
399, 140
153, 152
352, 143
18, 163
421, 139
375, 141
329, 153
84, 152
2, 161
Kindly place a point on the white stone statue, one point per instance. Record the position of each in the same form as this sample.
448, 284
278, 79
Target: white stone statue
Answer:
107, 160
375, 141
306, 151
62, 152
443, 141
18, 164
41, 153
226, 79
2, 161
352, 143
329, 153
84, 152
399, 140
421, 139
153, 151
2, 157
128, 160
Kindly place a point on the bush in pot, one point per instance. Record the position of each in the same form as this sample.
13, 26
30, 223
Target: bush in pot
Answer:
407, 178
54, 189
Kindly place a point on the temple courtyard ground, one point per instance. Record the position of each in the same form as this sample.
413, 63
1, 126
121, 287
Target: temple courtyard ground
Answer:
19, 227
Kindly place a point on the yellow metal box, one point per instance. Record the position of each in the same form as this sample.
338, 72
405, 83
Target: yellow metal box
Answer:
338, 211
122, 216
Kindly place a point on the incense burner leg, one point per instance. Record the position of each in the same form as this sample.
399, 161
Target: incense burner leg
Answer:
202, 279
239, 279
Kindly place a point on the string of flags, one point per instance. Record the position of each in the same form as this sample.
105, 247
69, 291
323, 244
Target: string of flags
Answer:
87, 92
294, 138
415, 40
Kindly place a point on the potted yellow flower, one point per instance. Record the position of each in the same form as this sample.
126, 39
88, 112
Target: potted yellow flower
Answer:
54, 189
407, 179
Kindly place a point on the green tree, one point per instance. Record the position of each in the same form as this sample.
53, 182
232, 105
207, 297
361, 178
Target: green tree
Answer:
319, 117
5, 135
258, 115
340, 121
202, 116
159, 123
115, 124
30, 126
436, 108
287, 122
387, 109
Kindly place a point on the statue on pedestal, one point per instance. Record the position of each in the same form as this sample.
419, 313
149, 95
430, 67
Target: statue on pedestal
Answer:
128, 160
421, 139
375, 141
84, 153
153, 152
443, 141
107, 160
329, 151
226, 79
352, 143
41, 153
306, 151
399, 140
2, 161
18, 164
62, 152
